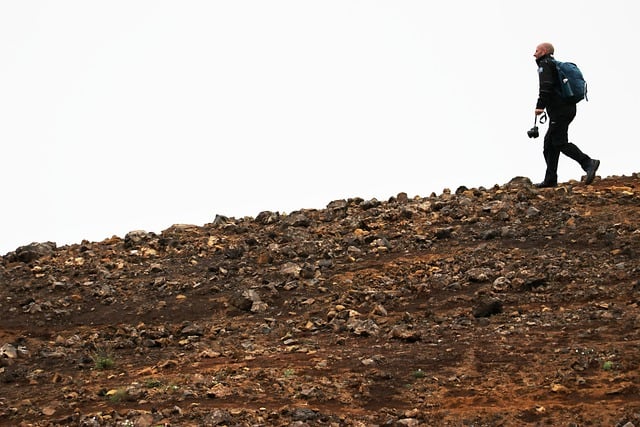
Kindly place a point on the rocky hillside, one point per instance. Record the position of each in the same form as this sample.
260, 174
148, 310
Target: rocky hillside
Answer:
506, 306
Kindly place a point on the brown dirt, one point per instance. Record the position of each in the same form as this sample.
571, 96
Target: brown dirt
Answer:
480, 307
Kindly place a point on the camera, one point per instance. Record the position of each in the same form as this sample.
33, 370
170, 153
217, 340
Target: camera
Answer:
533, 132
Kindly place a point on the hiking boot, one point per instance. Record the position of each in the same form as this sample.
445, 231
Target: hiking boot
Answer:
545, 184
591, 171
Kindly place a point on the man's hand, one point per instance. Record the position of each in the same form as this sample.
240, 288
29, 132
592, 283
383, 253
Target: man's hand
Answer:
539, 111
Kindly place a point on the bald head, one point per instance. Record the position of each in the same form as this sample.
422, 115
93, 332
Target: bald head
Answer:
543, 49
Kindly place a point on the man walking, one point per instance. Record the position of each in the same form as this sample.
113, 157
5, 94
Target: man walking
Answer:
561, 113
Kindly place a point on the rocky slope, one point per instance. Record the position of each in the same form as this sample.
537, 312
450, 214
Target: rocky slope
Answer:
486, 307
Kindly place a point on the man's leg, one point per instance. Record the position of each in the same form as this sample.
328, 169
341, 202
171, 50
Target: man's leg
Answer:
569, 149
551, 156
559, 129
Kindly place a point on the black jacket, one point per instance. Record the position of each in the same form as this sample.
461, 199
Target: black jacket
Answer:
549, 94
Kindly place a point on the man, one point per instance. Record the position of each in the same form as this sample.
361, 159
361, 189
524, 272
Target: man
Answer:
561, 112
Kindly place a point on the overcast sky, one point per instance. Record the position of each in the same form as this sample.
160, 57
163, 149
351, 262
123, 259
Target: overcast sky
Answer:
126, 115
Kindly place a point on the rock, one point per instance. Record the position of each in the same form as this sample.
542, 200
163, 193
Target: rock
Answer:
409, 422
304, 414
192, 329
221, 220
533, 283
559, 388
311, 393
487, 307
444, 233
267, 217
297, 219
218, 417
501, 284
11, 374
365, 327
479, 274
532, 211
136, 238
518, 182
259, 307
48, 411
404, 334
144, 420
244, 300
9, 351
291, 269
491, 234
34, 251
219, 391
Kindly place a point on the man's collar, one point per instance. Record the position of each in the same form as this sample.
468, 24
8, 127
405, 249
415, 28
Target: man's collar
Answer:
542, 58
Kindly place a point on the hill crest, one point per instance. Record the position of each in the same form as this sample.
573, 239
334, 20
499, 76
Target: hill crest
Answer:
500, 306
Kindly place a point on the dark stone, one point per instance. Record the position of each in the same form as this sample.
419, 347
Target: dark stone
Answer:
488, 308
34, 251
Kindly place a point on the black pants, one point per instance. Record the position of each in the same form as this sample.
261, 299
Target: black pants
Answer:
556, 141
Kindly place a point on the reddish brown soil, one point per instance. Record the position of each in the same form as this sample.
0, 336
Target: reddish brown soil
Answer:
507, 306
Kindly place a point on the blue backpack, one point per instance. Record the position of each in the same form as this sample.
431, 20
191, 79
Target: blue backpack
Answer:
573, 87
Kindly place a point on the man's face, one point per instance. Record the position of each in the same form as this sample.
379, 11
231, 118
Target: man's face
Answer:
540, 52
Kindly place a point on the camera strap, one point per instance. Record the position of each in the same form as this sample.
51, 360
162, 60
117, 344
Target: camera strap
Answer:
543, 118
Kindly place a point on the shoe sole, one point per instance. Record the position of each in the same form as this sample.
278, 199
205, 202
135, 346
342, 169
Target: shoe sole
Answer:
592, 174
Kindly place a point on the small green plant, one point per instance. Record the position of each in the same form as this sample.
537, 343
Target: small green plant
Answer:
418, 373
118, 396
288, 373
607, 366
152, 383
102, 359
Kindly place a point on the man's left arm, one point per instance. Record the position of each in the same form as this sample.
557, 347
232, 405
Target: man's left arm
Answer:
545, 75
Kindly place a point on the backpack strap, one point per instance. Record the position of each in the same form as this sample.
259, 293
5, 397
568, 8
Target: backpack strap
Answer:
585, 92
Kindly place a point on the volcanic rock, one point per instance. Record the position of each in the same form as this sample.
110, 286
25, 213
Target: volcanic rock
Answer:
511, 305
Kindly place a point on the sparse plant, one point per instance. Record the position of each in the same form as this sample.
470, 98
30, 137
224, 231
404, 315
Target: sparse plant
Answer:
102, 359
607, 365
418, 373
289, 372
152, 383
118, 396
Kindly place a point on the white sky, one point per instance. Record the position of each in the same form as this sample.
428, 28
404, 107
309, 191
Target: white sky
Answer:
125, 115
